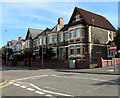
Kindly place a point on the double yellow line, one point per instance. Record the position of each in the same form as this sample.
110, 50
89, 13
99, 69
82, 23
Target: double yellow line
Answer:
5, 85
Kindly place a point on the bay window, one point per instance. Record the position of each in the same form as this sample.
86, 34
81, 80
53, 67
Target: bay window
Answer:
77, 32
78, 50
66, 36
50, 39
61, 37
71, 33
55, 38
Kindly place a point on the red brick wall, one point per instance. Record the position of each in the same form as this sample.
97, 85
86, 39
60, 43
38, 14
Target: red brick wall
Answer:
51, 64
106, 63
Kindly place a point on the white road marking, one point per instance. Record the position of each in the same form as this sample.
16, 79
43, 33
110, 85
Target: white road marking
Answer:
33, 77
48, 95
23, 86
85, 78
38, 92
11, 82
16, 84
30, 89
51, 92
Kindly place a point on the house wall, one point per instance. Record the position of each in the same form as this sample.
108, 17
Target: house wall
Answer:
98, 37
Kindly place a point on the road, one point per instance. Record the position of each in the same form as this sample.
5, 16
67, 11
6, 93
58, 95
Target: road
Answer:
51, 83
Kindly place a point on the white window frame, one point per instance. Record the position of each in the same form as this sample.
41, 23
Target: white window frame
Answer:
76, 30
44, 40
72, 47
50, 39
77, 18
77, 47
66, 38
55, 38
71, 37
40, 41
61, 37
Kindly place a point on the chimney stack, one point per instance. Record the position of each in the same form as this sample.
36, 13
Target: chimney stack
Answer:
20, 38
61, 21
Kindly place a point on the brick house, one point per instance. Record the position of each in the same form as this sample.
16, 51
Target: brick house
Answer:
30, 41
85, 32
20, 46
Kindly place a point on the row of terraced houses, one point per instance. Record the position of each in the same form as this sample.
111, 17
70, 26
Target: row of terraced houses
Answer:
85, 32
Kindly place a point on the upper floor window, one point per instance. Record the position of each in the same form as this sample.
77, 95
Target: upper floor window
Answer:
61, 37
66, 36
77, 18
40, 41
36, 42
71, 33
44, 40
77, 32
50, 39
109, 35
55, 38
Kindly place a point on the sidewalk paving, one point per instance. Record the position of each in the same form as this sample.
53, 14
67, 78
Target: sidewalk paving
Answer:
102, 70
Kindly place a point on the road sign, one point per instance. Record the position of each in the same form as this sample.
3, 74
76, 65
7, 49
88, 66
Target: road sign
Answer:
113, 47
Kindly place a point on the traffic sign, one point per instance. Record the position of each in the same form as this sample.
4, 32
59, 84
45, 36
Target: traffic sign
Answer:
113, 47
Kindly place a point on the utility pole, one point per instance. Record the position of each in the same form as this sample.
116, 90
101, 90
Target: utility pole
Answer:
42, 56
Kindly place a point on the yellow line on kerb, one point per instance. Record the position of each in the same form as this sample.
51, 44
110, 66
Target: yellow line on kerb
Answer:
5, 85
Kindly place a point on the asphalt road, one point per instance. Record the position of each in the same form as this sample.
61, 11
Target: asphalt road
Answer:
51, 83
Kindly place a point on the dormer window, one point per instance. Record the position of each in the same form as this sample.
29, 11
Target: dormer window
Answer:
77, 18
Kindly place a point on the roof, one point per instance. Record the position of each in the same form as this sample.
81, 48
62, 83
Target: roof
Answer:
57, 28
64, 28
94, 19
44, 32
14, 42
33, 32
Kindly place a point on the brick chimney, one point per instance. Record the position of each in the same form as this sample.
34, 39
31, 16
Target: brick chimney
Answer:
20, 38
61, 21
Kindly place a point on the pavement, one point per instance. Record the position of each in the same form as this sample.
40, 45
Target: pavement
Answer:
101, 70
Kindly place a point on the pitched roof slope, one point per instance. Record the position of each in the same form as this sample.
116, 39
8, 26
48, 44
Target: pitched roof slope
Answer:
95, 19
34, 32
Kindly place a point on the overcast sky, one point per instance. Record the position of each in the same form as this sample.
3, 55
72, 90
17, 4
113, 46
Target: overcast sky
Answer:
18, 17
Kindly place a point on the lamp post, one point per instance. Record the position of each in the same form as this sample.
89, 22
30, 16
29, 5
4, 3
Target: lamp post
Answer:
42, 56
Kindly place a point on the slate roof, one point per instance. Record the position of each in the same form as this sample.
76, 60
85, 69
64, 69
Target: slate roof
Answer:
44, 32
33, 32
57, 28
94, 19
65, 28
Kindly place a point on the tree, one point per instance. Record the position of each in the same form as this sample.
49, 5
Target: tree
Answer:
28, 53
47, 53
117, 40
6, 53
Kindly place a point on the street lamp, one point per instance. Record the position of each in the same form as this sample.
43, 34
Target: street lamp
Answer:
42, 56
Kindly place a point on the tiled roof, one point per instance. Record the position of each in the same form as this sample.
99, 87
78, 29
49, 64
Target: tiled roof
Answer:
34, 32
95, 19
64, 28
57, 28
13, 42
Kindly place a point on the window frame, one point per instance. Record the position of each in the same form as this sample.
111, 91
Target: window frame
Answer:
71, 37
76, 29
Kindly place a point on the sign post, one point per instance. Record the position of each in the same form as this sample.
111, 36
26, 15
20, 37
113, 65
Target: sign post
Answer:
113, 48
